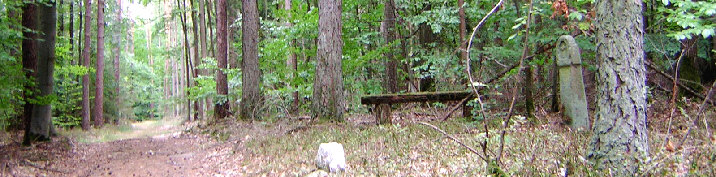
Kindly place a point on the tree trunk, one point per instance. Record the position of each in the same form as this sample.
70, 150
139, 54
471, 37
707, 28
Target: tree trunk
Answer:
202, 47
86, 64
222, 88
80, 32
72, 30
328, 101
182, 5
99, 78
61, 19
292, 62
29, 63
198, 111
390, 80
619, 141
117, 50
251, 75
463, 32
41, 121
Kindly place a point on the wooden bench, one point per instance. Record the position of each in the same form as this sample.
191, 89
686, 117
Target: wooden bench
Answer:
382, 102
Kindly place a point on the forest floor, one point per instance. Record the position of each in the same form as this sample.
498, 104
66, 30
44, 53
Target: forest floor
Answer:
287, 147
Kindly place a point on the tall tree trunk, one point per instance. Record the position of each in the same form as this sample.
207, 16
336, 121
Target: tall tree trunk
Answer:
463, 32
99, 78
222, 87
202, 46
390, 79
71, 30
86, 64
41, 121
117, 49
198, 111
182, 5
292, 62
61, 19
212, 31
80, 33
619, 141
251, 75
328, 100
29, 63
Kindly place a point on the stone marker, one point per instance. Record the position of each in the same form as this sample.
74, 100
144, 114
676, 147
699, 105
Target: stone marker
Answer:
331, 157
571, 85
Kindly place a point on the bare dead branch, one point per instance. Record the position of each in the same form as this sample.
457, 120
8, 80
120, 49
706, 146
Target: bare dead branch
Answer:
454, 139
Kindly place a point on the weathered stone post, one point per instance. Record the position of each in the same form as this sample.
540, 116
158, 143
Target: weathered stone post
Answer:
571, 85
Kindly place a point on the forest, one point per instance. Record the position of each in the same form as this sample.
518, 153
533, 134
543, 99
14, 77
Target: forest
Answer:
264, 88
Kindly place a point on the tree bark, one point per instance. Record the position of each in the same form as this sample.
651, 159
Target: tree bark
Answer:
182, 6
86, 64
117, 49
251, 75
463, 31
198, 111
328, 101
222, 88
619, 141
71, 30
390, 80
41, 121
29, 63
99, 78
292, 62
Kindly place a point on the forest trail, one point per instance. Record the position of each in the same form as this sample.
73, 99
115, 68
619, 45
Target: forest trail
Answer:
151, 149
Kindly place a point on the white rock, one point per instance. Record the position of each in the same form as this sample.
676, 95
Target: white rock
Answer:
331, 157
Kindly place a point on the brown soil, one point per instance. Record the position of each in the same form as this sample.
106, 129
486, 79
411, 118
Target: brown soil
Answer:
173, 154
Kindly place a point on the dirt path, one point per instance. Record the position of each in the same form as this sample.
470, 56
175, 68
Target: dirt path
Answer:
168, 154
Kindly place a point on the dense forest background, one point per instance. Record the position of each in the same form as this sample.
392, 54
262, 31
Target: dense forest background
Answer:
263, 60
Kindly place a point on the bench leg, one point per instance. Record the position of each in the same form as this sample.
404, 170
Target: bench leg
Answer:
466, 110
383, 114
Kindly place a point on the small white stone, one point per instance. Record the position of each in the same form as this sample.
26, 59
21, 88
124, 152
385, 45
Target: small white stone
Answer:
331, 157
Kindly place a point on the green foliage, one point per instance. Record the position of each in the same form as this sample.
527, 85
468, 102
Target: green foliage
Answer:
12, 76
693, 17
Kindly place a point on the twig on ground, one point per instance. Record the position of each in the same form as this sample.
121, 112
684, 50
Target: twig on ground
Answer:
454, 139
445, 117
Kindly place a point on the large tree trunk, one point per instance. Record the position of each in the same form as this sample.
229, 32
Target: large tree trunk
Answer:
463, 32
222, 88
182, 5
29, 62
251, 75
292, 62
198, 111
86, 63
72, 30
41, 121
390, 80
619, 141
117, 49
99, 78
203, 50
328, 101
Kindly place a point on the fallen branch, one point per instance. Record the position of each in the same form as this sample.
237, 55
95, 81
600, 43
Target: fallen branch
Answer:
454, 139
454, 108
698, 116
686, 88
